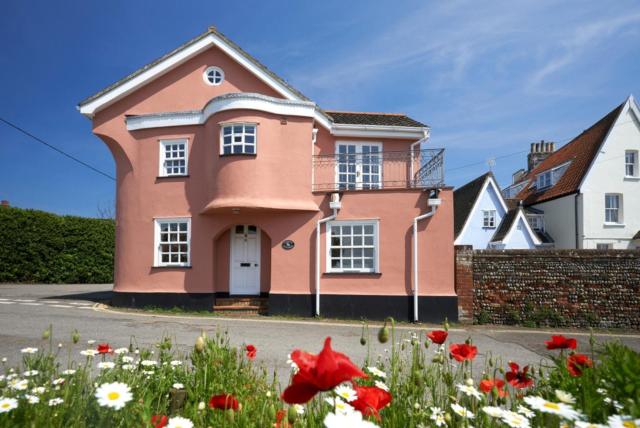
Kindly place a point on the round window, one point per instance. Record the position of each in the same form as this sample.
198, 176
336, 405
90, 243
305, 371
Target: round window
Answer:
213, 76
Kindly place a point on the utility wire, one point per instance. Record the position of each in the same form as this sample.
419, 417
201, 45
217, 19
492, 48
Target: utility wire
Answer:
52, 147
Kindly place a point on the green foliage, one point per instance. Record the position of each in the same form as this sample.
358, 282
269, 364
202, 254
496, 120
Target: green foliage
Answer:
36, 246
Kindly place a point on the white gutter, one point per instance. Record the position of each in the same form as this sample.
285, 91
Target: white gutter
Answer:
433, 203
335, 205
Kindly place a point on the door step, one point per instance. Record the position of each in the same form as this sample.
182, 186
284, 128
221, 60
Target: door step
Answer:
242, 305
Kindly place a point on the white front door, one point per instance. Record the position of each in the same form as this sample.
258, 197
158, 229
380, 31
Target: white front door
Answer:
244, 275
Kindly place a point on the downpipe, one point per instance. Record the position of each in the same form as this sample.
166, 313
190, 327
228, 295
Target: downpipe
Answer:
335, 206
433, 203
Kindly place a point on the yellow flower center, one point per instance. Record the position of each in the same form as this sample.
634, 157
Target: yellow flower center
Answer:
113, 395
552, 406
5, 405
629, 424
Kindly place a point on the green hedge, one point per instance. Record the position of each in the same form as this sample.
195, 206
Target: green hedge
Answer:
39, 247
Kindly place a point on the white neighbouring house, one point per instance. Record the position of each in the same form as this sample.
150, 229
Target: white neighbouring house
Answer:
589, 189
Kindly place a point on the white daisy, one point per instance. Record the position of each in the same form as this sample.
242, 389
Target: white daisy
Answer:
494, 412
515, 420
148, 372
437, 416
8, 404
339, 405
69, 372
89, 352
202, 405
121, 351
561, 409
55, 401
469, 391
29, 350
106, 365
525, 411
581, 424
58, 381
376, 372
299, 408
90, 342
268, 394
462, 411
127, 359
565, 397
114, 395
177, 386
32, 399
19, 384
149, 363
127, 367
176, 363
351, 420
618, 421
345, 392
381, 385
601, 391
4, 359
30, 373
39, 390
179, 422
294, 366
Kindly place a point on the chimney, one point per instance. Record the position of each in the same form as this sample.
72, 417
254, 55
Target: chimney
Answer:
4, 203
539, 152
518, 175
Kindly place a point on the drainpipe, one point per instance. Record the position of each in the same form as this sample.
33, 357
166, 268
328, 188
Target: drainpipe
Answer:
335, 205
433, 203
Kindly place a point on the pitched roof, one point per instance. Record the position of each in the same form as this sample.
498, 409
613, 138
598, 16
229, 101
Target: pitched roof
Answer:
636, 236
463, 200
505, 225
580, 152
364, 118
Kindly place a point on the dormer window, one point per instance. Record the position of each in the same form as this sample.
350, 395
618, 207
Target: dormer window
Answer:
238, 139
544, 180
213, 76
550, 177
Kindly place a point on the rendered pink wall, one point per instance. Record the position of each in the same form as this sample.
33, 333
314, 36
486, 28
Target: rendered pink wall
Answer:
272, 190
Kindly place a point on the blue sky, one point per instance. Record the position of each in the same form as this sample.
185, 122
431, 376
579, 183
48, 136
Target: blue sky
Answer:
489, 80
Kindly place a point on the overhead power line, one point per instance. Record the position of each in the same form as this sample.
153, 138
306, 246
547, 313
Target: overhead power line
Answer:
52, 147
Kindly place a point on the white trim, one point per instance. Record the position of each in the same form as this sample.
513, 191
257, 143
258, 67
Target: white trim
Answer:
92, 107
156, 240
358, 145
233, 101
520, 217
162, 159
488, 180
379, 131
259, 256
205, 75
376, 246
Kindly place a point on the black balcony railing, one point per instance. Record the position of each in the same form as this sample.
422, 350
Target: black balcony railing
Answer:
379, 170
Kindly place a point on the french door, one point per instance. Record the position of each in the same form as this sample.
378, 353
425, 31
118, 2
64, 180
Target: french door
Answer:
359, 166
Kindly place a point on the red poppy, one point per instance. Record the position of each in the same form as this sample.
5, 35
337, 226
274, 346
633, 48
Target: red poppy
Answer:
281, 419
251, 351
518, 378
487, 385
370, 400
224, 402
561, 342
437, 336
578, 362
317, 373
463, 351
104, 348
159, 421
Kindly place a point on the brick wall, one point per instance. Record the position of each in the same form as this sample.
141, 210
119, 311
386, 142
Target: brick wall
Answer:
571, 288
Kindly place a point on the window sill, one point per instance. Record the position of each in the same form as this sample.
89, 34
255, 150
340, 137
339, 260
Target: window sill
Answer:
347, 273
488, 227
171, 267
222, 155
631, 178
605, 224
165, 177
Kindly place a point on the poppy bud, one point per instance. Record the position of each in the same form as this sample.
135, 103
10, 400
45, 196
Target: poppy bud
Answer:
447, 417
199, 344
491, 362
468, 341
75, 336
426, 344
418, 378
445, 324
383, 334
469, 381
292, 415
46, 334
271, 410
363, 341
229, 414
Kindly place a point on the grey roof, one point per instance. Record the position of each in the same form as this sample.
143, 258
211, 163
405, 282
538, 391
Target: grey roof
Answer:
543, 236
363, 118
463, 199
505, 225
636, 236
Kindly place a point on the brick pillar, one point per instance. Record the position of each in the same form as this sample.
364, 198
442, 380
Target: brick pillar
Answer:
464, 282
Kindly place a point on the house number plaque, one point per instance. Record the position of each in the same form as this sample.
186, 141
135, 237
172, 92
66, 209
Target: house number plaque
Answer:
288, 244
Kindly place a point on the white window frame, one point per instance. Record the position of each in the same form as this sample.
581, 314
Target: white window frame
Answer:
359, 184
157, 259
633, 164
536, 220
162, 171
205, 75
618, 209
604, 246
489, 219
544, 180
376, 246
243, 136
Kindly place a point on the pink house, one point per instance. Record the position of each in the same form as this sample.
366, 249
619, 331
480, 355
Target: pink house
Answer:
231, 183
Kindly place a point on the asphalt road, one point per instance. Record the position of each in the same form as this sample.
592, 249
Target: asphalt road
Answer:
27, 310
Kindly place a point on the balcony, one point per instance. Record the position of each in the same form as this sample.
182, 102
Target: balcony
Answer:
366, 168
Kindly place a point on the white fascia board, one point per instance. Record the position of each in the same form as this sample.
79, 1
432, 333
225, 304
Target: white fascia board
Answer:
379, 131
108, 98
239, 101
496, 189
520, 217
473, 209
